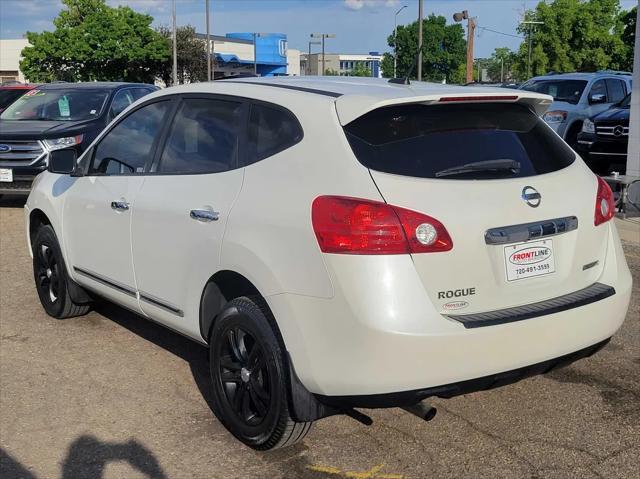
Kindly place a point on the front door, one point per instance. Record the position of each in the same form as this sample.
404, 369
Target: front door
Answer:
182, 208
98, 206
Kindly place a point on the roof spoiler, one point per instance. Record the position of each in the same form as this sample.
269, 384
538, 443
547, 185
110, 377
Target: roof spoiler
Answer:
350, 107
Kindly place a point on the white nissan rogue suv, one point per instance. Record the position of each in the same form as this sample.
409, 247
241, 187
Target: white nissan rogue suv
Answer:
337, 243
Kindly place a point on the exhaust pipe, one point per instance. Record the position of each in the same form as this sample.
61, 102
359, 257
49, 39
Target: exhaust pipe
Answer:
422, 410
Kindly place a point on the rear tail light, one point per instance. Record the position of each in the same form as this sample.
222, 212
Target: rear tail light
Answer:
605, 204
356, 226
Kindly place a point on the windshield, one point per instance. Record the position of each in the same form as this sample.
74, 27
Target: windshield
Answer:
7, 97
561, 90
466, 141
59, 105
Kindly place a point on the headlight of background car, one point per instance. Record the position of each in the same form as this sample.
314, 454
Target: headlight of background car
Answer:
555, 116
588, 126
59, 143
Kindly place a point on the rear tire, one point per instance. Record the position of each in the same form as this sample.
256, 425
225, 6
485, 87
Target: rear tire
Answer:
50, 275
248, 374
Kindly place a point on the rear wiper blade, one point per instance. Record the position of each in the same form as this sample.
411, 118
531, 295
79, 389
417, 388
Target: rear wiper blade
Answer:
488, 165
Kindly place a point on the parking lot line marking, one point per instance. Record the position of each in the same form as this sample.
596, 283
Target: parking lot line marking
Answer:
373, 473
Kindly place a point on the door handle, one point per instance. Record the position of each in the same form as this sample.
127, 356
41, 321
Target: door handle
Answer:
204, 215
119, 205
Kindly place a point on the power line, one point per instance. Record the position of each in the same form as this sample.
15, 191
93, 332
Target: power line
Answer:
501, 33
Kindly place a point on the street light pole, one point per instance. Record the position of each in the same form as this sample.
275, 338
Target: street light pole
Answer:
309, 57
208, 41
395, 40
323, 36
255, 55
532, 23
420, 7
175, 46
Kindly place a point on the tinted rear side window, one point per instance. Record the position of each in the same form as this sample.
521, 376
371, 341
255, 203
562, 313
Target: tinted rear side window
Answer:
425, 141
271, 130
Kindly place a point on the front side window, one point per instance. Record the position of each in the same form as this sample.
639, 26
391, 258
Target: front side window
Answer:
457, 142
122, 100
58, 105
616, 90
599, 88
128, 147
204, 137
271, 130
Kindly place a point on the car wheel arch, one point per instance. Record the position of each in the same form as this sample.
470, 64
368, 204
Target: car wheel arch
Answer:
37, 219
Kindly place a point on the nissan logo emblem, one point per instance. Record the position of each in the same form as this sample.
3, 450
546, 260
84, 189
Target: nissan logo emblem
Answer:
4, 148
618, 130
531, 196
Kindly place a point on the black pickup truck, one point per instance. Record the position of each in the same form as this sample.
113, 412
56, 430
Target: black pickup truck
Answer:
53, 116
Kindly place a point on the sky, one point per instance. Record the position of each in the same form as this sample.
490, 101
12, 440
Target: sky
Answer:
360, 26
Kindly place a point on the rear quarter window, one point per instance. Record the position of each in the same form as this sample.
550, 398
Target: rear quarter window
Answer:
433, 141
271, 130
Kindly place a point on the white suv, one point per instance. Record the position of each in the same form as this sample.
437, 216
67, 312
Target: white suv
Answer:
337, 243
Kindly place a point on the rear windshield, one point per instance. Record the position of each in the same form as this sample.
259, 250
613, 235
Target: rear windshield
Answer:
463, 141
561, 90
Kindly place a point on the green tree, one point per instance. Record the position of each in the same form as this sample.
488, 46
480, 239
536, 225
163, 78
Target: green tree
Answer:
443, 50
93, 41
330, 72
577, 35
628, 19
192, 56
499, 65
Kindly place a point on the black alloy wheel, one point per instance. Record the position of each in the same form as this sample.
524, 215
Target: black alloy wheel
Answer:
249, 376
50, 275
245, 376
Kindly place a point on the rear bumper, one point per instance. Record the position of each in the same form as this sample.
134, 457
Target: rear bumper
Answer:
381, 336
407, 398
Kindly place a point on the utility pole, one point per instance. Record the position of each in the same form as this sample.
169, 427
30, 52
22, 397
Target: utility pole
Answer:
323, 36
175, 46
532, 23
208, 42
309, 57
420, 6
255, 54
395, 40
471, 32
501, 70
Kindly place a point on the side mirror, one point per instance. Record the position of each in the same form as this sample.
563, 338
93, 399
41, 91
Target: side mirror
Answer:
62, 161
598, 98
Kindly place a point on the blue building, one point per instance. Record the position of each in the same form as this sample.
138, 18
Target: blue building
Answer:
234, 54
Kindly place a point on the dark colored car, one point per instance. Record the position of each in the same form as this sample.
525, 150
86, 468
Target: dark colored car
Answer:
604, 139
11, 92
54, 116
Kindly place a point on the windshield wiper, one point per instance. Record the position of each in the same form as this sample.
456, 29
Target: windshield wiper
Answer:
506, 165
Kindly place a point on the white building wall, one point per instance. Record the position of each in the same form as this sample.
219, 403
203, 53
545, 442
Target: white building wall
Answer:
293, 62
10, 59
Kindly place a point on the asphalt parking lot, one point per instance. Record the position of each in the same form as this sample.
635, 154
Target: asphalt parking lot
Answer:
110, 395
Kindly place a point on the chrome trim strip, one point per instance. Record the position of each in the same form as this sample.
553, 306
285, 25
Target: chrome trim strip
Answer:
106, 281
607, 154
161, 304
16, 163
588, 295
528, 231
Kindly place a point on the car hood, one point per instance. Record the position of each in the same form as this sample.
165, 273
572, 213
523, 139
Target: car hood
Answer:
613, 114
562, 106
39, 130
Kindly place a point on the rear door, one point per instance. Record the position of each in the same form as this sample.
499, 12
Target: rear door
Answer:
518, 204
182, 208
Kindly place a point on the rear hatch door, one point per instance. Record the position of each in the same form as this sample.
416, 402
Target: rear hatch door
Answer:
516, 201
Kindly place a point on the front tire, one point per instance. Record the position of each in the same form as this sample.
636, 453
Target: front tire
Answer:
50, 275
248, 373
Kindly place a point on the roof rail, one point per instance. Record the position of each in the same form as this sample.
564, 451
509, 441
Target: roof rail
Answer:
614, 72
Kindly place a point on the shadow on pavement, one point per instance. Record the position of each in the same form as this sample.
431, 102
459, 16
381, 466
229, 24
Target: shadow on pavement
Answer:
12, 201
87, 458
190, 351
